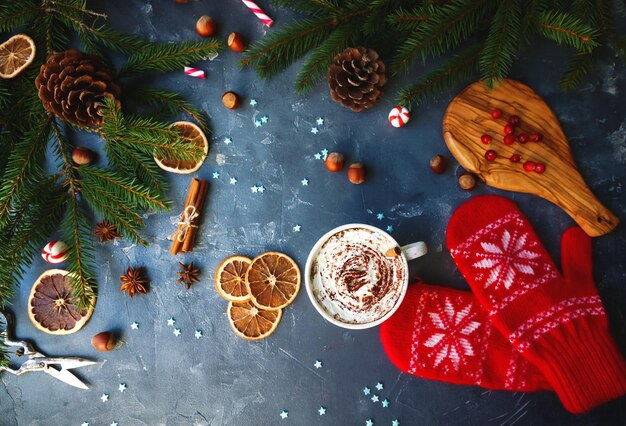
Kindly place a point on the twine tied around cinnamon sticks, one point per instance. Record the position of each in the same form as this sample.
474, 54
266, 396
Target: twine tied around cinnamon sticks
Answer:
184, 238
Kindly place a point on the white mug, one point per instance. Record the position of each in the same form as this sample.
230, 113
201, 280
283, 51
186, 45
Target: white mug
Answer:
408, 252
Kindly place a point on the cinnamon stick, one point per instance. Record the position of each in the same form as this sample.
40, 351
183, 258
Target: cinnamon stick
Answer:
190, 239
192, 194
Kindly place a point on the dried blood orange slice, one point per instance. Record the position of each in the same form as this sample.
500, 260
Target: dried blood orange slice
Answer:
230, 278
16, 54
273, 280
250, 322
190, 133
52, 306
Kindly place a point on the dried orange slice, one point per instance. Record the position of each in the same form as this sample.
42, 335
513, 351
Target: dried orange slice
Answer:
16, 54
230, 279
52, 306
251, 323
190, 133
273, 280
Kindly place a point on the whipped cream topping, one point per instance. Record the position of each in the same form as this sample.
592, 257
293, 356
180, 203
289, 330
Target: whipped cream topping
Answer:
353, 280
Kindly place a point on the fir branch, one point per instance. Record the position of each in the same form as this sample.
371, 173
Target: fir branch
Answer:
409, 20
116, 40
134, 163
581, 65
16, 14
502, 43
173, 103
529, 27
459, 68
564, 28
312, 7
170, 57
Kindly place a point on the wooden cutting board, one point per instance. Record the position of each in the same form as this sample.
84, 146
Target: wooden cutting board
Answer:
468, 117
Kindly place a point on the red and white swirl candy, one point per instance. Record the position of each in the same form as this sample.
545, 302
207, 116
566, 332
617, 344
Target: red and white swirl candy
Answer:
55, 252
399, 116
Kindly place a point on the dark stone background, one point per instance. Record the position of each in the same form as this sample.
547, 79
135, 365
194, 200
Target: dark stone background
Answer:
221, 379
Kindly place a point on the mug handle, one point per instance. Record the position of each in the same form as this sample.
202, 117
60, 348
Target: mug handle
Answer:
415, 250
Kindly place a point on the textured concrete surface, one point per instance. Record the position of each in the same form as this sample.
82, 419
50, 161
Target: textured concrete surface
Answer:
221, 379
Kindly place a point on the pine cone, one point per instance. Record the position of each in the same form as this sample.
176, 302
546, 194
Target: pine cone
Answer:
356, 78
73, 84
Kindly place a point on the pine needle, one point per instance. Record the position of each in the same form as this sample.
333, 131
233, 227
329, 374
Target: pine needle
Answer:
564, 28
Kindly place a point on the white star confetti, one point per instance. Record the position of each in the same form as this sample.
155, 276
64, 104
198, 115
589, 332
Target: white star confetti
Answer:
385, 403
304, 182
254, 189
320, 121
134, 326
122, 387
261, 189
324, 153
171, 321
375, 398
114, 424
366, 390
369, 422
284, 414
395, 422
84, 424
379, 386
233, 181
264, 119
322, 411
104, 397
257, 123
314, 130
390, 228
198, 334
380, 216
253, 102
176, 332
318, 156
216, 175
318, 364
297, 228
228, 141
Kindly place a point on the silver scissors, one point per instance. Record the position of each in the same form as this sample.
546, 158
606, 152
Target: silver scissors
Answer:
56, 367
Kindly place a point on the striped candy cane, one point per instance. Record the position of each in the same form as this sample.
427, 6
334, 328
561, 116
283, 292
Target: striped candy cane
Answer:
194, 72
258, 12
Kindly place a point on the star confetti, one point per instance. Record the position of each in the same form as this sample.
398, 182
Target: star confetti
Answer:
216, 175
198, 334
254, 189
114, 424
366, 390
264, 119
395, 422
134, 326
233, 181
261, 189
380, 216
253, 102
228, 141
122, 387
297, 228
257, 123
369, 422
284, 414
375, 398
304, 182
171, 321
314, 130
319, 121
318, 364
84, 424
385, 403
176, 332
379, 386
318, 156
324, 153
104, 397
390, 228
322, 411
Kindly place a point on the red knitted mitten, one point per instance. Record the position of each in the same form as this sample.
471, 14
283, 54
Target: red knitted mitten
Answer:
444, 334
557, 322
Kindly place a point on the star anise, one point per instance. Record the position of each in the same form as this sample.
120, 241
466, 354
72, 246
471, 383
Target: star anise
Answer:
106, 231
188, 274
134, 282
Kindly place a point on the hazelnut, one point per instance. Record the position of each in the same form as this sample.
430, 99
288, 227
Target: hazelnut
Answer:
104, 341
236, 42
438, 164
205, 26
82, 156
356, 173
335, 161
467, 181
230, 100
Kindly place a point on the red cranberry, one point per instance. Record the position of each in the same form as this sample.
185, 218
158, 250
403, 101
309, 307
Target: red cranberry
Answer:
536, 137
540, 168
491, 155
522, 138
515, 158
496, 113
514, 120
529, 166
509, 139
508, 129
486, 139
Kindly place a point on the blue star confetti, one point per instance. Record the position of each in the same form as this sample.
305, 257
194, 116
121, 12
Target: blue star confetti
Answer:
228, 141
385, 403
261, 189
284, 414
379, 386
375, 398
304, 182
389, 228
366, 390
320, 121
297, 228
324, 153
257, 123
318, 364
216, 175
369, 422
264, 119
314, 130
318, 156
380, 216
395, 422
233, 181
253, 102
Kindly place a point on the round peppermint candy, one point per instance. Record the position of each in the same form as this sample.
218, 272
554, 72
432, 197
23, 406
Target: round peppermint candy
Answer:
54, 252
399, 116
